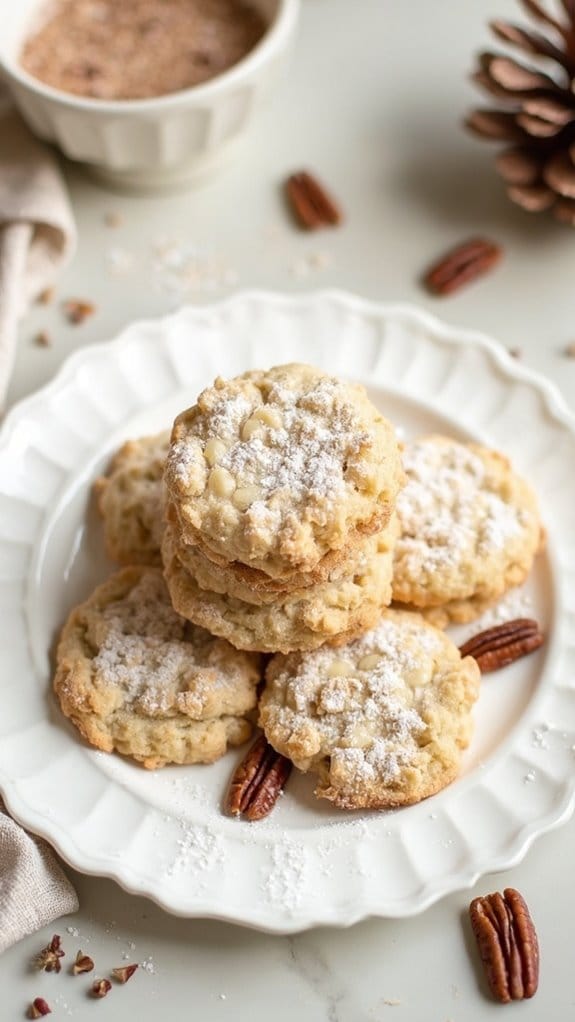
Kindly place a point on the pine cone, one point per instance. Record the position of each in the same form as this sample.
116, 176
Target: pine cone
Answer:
537, 114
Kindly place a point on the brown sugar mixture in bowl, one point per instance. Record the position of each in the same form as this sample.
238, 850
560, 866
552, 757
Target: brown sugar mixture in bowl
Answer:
135, 49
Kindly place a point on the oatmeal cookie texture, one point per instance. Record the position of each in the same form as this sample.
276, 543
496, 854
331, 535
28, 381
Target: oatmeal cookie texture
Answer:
245, 584
135, 677
469, 529
382, 720
277, 468
304, 619
135, 49
130, 500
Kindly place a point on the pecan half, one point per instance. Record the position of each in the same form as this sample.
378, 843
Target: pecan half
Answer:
310, 203
462, 265
507, 943
501, 645
258, 781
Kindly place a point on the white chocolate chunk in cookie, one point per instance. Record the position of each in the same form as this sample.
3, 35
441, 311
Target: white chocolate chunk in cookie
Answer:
276, 469
382, 720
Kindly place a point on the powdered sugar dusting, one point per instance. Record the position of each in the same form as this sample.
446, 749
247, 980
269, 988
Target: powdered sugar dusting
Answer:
304, 455
160, 662
366, 718
447, 510
286, 880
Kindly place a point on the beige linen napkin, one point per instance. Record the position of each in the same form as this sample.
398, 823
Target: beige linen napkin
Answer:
37, 235
37, 231
33, 888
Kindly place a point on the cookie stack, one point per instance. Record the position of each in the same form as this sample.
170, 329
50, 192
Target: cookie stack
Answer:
287, 521
281, 488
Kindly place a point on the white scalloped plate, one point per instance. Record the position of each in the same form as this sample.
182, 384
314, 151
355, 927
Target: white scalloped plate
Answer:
162, 834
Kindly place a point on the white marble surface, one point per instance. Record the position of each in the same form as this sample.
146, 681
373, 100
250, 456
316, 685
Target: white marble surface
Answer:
373, 102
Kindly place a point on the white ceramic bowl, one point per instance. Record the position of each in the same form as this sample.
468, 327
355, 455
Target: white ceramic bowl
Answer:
149, 143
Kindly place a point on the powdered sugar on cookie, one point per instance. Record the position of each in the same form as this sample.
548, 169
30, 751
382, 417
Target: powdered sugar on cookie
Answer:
469, 526
157, 660
274, 469
365, 715
445, 508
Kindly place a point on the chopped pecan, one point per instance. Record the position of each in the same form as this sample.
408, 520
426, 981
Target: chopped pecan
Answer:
49, 957
501, 645
100, 988
311, 204
507, 944
124, 972
76, 310
82, 964
258, 781
39, 1008
462, 265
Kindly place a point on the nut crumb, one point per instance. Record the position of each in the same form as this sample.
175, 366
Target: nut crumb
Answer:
77, 310
100, 987
82, 964
39, 1008
124, 972
515, 352
43, 339
113, 219
46, 297
49, 958
569, 350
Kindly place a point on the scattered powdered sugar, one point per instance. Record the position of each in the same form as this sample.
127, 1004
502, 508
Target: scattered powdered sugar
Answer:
160, 661
447, 509
148, 965
183, 268
285, 882
199, 848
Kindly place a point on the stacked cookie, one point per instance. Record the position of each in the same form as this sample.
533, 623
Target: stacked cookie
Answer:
280, 526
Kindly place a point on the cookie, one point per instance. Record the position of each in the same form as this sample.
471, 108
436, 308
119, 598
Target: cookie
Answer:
331, 612
382, 720
130, 500
241, 579
469, 529
276, 469
135, 677
235, 579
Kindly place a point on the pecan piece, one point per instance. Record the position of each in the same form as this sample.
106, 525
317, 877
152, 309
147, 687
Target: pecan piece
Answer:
507, 943
100, 988
311, 204
501, 645
77, 311
124, 972
82, 964
39, 1008
258, 781
49, 957
462, 265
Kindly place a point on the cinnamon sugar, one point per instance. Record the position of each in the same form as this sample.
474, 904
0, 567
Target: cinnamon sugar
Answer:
136, 49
